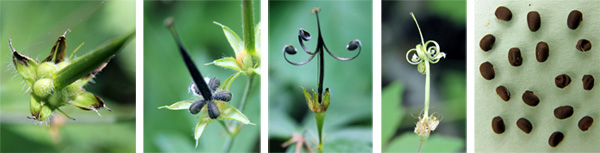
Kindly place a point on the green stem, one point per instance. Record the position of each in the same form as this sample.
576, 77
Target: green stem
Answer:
320, 117
426, 109
248, 25
246, 92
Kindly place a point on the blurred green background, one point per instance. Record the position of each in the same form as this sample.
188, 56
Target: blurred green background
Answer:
34, 27
166, 78
348, 122
404, 87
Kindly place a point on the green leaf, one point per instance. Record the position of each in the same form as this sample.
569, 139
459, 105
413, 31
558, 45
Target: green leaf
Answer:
391, 97
178, 105
234, 40
257, 37
256, 70
408, 142
202, 123
309, 99
227, 62
231, 113
85, 64
227, 83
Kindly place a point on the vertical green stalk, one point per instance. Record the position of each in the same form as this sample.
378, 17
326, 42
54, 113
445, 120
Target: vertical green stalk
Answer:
320, 117
426, 109
248, 25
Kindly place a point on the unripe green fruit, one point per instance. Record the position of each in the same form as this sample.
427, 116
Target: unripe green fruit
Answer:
34, 106
45, 113
73, 89
43, 87
58, 98
47, 70
62, 65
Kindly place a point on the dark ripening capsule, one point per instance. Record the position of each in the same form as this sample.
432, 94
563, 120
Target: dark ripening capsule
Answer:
213, 110
585, 123
487, 70
542, 51
514, 57
533, 21
487, 42
524, 125
214, 83
563, 112
197, 106
530, 98
304, 34
574, 19
498, 125
290, 49
503, 13
503, 93
562, 80
222, 96
583, 45
353, 45
588, 82
555, 138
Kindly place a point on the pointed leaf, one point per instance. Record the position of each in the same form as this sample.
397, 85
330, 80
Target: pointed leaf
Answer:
309, 99
227, 83
178, 105
234, 40
57, 54
202, 123
227, 62
231, 113
256, 70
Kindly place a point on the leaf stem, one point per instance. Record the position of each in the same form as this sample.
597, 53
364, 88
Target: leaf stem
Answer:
248, 25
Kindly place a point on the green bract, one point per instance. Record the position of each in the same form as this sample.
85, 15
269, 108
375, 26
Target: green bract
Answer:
56, 82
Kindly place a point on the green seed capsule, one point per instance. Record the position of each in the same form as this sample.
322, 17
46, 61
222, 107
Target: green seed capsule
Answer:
47, 70
223, 96
197, 106
88, 101
62, 65
43, 87
45, 113
34, 106
213, 110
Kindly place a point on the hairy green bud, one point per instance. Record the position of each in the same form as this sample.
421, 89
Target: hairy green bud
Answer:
43, 87
47, 70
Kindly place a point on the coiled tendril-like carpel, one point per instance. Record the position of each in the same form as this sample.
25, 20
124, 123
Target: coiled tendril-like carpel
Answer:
305, 36
423, 53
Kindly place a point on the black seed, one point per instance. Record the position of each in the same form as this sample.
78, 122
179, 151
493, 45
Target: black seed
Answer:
514, 57
213, 110
583, 45
222, 96
524, 125
503, 93
588, 82
562, 80
563, 112
574, 19
214, 83
487, 70
487, 42
289, 49
530, 98
556, 138
585, 123
353, 45
533, 21
304, 34
503, 13
197, 106
498, 125
541, 51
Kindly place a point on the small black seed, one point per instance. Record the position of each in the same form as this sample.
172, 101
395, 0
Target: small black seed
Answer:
562, 80
533, 21
556, 138
498, 125
222, 96
524, 125
197, 106
503, 13
213, 110
503, 93
487, 42
583, 45
563, 112
588, 82
574, 19
487, 70
290, 49
514, 57
541, 51
585, 123
530, 98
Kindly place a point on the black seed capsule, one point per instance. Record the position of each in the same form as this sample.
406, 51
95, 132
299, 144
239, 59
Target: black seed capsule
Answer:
353, 45
214, 83
197, 106
223, 96
290, 49
304, 34
213, 110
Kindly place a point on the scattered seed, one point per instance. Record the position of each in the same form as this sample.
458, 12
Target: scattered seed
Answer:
530, 98
503, 93
487, 70
562, 80
585, 123
533, 21
556, 138
563, 112
588, 82
503, 13
498, 125
524, 125
514, 57
574, 19
583, 45
541, 51
487, 42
